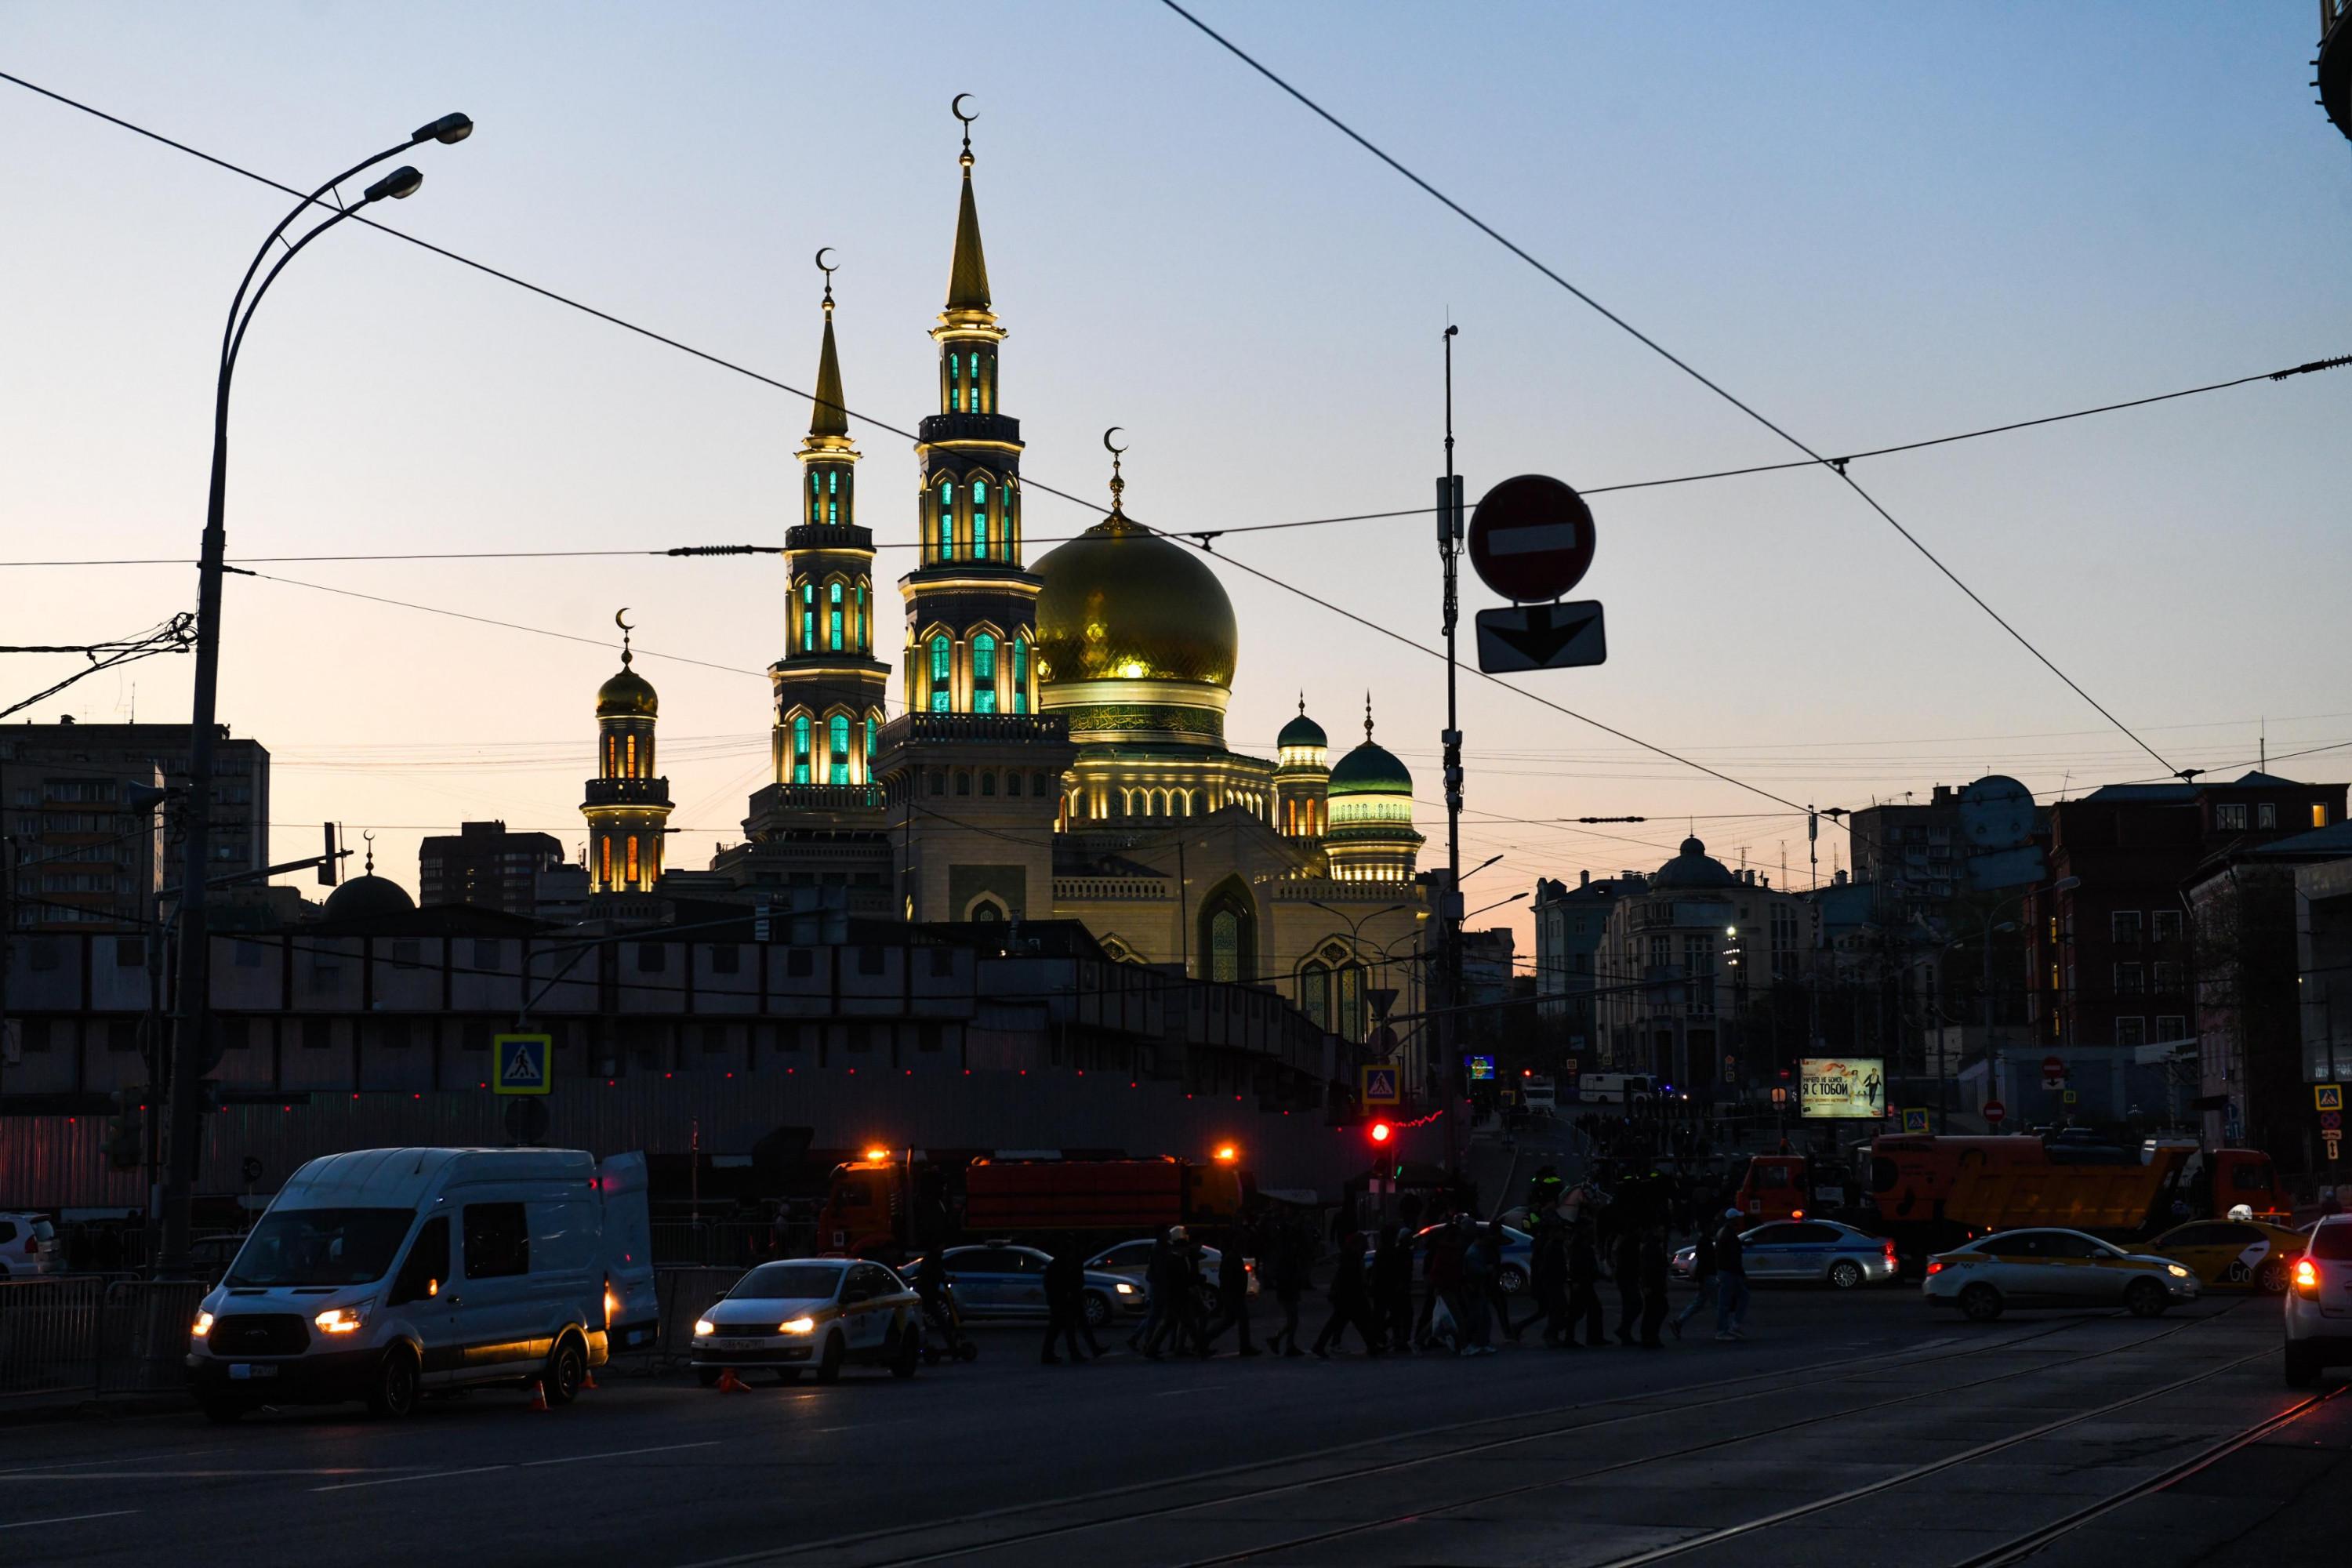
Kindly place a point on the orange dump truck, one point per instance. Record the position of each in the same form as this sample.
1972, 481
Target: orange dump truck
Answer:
1932, 1192
874, 1206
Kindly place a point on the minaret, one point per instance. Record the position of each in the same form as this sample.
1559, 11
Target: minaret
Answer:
1371, 838
1302, 776
829, 686
970, 608
627, 803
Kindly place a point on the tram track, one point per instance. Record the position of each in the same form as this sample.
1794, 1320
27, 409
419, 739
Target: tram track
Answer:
1785, 1381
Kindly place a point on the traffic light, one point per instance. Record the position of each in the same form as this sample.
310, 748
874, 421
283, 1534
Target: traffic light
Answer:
1227, 1154
1381, 1132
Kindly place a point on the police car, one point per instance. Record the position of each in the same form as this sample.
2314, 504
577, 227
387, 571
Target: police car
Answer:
813, 1314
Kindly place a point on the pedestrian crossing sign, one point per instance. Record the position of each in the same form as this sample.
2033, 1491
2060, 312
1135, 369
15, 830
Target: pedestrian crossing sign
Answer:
518, 1064
1379, 1085
2328, 1096
1914, 1119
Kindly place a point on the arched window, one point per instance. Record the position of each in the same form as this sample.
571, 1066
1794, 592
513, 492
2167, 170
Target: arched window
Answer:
955, 383
988, 781
1224, 946
815, 490
1348, 1004
808, 617
947, 520
604, 863
833, 618
800, 747
1314, 994
838, 769
989, 911
984, 674
633, 859
980, 520
872, 725
629, 762
865, 636
943, 674
1013, 781
1183, 802
1020, 675
833, 495
963, 780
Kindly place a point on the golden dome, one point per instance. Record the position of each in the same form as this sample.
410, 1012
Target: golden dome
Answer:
628, 695
1121, 603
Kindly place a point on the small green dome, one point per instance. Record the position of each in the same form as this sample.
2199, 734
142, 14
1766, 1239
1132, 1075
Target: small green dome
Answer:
1302, 732
1370, 770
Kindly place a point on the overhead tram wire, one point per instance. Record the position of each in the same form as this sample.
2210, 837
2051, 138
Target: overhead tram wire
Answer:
1837, 466
1203, 540
1422, 511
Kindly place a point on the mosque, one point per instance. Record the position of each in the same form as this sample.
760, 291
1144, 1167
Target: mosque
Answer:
1057, 749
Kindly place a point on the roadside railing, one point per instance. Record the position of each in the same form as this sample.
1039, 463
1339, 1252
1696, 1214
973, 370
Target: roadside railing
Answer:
93, 1335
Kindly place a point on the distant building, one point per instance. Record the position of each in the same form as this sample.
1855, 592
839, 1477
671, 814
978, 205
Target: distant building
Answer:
1571, 923
484, 865
2332, 67
2111, 961
2323, 918
61, 804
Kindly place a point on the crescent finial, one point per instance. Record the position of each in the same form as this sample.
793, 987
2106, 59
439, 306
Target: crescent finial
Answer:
955, 106
618, 621
828, 268
1114, 430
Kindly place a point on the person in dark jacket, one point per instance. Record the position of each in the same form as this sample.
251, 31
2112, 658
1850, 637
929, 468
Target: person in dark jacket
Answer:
1392, 1289
1548, 1275
1233, 1295
1626, 1265
1166, 1279
1730, 1277
1065, 1309
1583, 1275
1289, 1286
1350, 1301
1703, 1276
1654, 1285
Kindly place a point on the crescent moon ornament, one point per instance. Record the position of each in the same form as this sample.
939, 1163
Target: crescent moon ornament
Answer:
619, 622
955, 106
822, 265
1114, 430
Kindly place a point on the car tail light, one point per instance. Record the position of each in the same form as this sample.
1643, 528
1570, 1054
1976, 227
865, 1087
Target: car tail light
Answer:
1889, 1247
1934, 1265
2307, 1277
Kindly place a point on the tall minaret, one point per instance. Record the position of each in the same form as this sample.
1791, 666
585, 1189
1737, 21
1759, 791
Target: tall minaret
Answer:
971, 609
829, 686
627, 803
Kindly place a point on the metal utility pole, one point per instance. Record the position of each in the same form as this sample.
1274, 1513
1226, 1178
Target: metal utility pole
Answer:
1449, 909
190, 1021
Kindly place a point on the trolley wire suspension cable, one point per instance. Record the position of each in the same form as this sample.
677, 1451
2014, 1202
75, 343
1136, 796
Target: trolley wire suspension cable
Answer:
1837, 465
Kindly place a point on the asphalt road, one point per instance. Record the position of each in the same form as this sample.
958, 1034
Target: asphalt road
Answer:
1943, 1441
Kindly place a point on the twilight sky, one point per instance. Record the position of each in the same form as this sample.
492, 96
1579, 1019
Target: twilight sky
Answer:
1874, 224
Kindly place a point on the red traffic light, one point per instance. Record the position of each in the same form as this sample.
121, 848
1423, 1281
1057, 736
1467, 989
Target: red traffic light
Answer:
1381, 1131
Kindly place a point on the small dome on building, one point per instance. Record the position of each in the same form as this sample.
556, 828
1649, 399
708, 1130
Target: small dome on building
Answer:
628, 695
1302, 732
1370, 769
367, 898
1694, 867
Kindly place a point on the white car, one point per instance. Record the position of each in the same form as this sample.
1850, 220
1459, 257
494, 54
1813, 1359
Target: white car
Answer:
2054, 1269
29, 1246
817, 1314
2319, 1303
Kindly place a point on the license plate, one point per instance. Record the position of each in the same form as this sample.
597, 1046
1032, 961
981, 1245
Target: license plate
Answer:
737, 1345
240, 1371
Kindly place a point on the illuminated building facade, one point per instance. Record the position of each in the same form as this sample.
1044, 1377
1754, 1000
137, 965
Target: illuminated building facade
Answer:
628, 803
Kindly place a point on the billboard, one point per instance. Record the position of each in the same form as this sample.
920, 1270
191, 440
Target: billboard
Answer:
1842, 1086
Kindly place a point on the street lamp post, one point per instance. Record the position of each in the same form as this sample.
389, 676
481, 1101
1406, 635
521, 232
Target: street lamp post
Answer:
190, 1021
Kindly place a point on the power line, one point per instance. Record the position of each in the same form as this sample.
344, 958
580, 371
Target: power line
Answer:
1837, 466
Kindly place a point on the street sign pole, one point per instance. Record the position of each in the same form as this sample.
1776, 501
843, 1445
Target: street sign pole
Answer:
1449, 1031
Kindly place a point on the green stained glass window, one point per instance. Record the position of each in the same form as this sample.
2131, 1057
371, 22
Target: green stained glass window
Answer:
984, 674
1224, 947
800, 747
1021, 675
808, 617
955, 383
837, 770
947, 520
980, 520
870, 744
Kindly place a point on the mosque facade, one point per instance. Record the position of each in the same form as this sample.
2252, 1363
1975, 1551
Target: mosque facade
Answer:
1055, 749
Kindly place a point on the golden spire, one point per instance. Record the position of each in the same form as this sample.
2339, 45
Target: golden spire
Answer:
968, 278
1118, 522
1368, 718
828, 417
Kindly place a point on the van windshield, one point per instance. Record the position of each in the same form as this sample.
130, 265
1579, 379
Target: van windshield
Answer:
321, 1247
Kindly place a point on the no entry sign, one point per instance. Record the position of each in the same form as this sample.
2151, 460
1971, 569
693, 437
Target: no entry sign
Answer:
1531, 539
1993, 1111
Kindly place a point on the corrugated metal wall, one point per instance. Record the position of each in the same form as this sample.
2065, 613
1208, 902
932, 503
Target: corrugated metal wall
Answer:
56, 1161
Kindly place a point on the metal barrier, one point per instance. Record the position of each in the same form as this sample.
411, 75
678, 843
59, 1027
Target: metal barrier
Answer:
49, 1335
143, 1334
684, 1295
716, 1243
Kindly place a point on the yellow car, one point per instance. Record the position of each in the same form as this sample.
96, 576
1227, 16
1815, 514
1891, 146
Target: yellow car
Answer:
2234, 1254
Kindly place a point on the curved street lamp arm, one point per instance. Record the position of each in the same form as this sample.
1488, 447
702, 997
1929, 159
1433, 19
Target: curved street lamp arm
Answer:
230, 333
236, 342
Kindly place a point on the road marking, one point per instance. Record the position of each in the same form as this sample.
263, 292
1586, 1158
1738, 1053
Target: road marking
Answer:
421, 1476
625, 1453
110, 1460
1179, 1393
180, 1475
69, 1519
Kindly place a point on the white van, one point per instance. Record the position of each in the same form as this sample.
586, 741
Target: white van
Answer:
388, 1273
1613, 1088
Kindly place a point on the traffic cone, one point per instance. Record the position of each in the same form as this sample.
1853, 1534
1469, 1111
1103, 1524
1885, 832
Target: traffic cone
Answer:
537, 1394
587, 1381
730, 1383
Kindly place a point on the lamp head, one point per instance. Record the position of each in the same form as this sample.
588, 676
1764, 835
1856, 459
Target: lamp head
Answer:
450, 129
399, 185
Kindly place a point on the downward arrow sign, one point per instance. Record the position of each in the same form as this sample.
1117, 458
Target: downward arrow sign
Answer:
1540, 636
1545, 637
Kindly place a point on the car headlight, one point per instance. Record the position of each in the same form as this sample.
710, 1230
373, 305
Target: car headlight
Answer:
704, 1327
798, 1325
2177, 1271
202, 1326
341, 1319
1124, 1289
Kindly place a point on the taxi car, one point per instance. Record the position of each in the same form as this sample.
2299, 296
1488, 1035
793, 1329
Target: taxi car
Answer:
2051, 1268
2319, 1303
817, 1314
1809, 1250
2235, 1254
